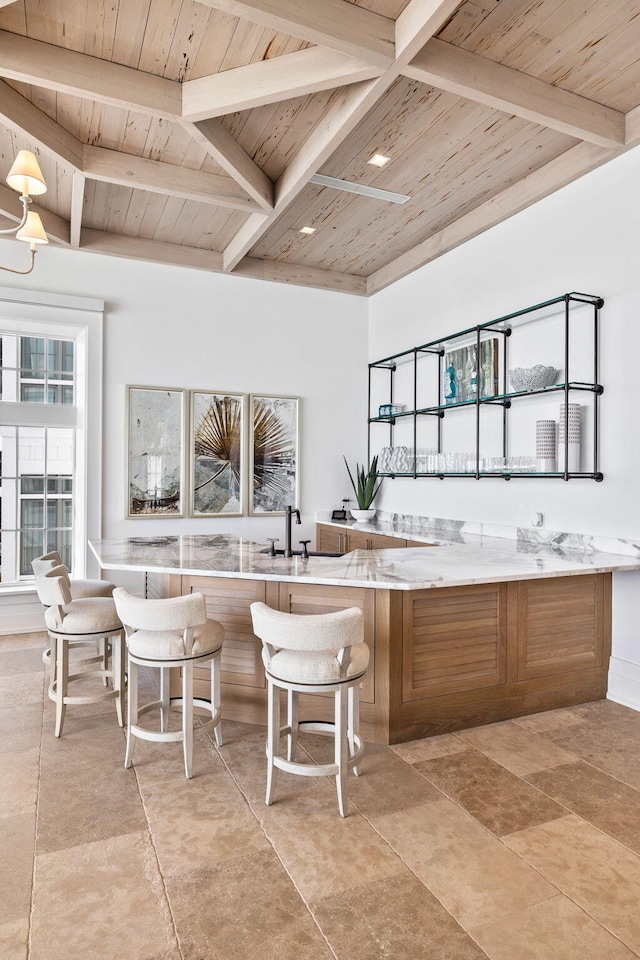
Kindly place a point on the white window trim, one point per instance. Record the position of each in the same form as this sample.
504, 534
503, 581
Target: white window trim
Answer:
82, 319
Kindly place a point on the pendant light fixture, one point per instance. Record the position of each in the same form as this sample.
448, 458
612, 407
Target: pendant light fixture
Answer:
26, 178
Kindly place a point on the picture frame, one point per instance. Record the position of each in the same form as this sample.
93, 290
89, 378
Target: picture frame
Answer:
216, 454
274, 480
156, 428
466, 377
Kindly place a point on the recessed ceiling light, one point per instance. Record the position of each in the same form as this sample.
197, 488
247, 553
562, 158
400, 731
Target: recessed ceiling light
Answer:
378, 160
308, 230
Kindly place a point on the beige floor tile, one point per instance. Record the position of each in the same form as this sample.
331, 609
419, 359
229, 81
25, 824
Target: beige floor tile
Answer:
199, 822
16, 662
471, 872
515, 748
19, 779
156, 762
79, 808
20, 726
613, 747
24, 641
548, 721
14, 940
386, 782
430, 747
89, 740
324, 853
21, 688
17, 841
101, 901
597, 873
607, 803
497, 798
393, 919
243, 908
555, 929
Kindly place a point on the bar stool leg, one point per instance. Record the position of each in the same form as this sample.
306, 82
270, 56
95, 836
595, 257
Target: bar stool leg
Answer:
132, 711
103, 652
273, 739
216, 697
62, 675
187, 717
341, 748
118, 655
354, 722
292, 724
165, 683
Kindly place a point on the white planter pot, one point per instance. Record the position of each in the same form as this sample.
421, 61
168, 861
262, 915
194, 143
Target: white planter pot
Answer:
361, 516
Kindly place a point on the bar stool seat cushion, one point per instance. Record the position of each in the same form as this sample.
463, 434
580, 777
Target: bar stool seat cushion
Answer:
315, 666
170, 645
91, 615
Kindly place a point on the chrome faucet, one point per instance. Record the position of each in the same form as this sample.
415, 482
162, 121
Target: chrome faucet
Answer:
288, 552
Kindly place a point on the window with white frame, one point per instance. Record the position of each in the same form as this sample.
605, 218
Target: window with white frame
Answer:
45, 414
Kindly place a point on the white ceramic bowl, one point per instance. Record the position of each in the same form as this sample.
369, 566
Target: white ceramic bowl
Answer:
532, 378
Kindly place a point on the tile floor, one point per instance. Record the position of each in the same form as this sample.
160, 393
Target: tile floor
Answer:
515, 841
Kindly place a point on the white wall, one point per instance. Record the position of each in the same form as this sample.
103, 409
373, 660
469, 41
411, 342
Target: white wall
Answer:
586, 237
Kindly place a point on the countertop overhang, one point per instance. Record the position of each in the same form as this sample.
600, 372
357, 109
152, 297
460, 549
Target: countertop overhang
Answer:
449, 564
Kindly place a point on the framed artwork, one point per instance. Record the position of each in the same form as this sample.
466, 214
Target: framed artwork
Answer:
155, 452
465, 372
216, 454
273, 448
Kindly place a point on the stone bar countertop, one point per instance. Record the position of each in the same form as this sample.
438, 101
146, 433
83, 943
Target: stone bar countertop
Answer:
479, 559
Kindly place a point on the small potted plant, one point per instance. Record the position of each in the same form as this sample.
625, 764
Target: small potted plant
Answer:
365, 487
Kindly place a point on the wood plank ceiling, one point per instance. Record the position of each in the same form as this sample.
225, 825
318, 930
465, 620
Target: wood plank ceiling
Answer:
188, 131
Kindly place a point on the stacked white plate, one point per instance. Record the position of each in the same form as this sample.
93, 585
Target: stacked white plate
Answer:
572, 437
546, 446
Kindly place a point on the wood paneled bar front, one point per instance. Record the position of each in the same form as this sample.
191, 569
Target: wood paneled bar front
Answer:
460, 635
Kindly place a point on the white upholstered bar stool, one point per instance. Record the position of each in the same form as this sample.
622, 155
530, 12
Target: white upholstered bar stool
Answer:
168, 633
314, 653
71, 622
80, 590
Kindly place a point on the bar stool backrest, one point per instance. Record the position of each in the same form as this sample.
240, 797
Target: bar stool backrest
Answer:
53, 588
307, 633
173, 613
48, 562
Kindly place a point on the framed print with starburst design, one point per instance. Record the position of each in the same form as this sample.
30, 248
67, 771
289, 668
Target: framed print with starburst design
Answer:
274, 479
216, 454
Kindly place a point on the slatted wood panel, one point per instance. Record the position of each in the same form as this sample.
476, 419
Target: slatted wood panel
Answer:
560, 625
228, 601
454, 640
156, 586
302, 598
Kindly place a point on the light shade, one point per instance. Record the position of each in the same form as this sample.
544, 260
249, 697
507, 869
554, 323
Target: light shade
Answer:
33, 232
25, 175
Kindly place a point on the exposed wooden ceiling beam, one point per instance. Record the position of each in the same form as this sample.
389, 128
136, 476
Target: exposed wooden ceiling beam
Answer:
6, 3
21, 116
422, 19
466, 74
271, 81
56, 227
535, 186
167, 178
77, 208
56, 68
157, 251
336, 24
228, 153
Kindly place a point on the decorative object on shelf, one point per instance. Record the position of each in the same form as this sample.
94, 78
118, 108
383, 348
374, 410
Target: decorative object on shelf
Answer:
274, 454
401, 460
572, 445
155, 452
25, 176
463, 375
532, 378
546, 445
216, 454
385, 459
390, 409
366, 487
